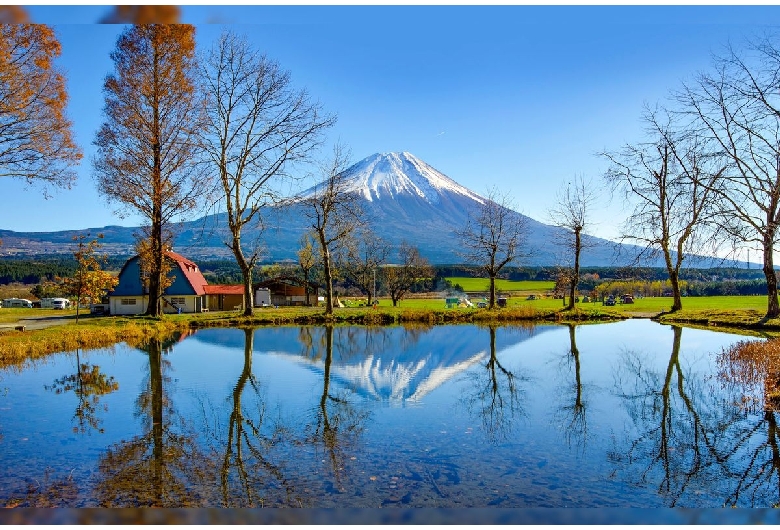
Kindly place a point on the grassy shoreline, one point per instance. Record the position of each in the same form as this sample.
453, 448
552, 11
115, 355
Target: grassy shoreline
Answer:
17, 347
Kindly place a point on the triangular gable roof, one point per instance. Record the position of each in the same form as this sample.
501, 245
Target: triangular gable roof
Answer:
190, 271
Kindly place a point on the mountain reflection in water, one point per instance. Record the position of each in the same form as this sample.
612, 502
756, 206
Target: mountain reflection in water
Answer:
390, 364
631, 414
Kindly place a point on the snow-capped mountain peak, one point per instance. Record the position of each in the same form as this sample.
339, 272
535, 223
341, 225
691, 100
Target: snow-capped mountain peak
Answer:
389, 175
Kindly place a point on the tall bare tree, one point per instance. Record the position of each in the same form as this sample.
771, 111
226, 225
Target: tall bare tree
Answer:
411, 269
671, 181
147, 145
36, 140
736, 106
259, 126
361, 259
334, 212
573, 204
493, 237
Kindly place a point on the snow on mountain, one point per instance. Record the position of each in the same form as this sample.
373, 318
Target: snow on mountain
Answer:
390, 175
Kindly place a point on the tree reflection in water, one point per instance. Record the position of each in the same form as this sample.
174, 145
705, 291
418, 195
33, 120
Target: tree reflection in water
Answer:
496, 397
88, 384
571, 414
248, 475
752, 368
693, 440
338, 423
163, 467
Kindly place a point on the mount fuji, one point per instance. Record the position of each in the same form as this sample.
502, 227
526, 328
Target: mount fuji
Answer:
404, 199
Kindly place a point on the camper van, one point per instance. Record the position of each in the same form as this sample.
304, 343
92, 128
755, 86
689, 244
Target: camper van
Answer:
16, 302
55, 303
262, 297
60, 303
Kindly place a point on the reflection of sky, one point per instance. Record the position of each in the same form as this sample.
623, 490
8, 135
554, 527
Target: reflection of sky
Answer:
391, 364
436, 437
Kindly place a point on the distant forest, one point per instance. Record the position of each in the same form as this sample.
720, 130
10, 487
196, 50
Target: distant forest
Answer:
699, 282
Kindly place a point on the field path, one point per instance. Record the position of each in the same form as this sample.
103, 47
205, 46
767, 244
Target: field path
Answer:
37, 322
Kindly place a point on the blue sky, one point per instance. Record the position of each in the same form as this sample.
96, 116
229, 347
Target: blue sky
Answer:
517, 97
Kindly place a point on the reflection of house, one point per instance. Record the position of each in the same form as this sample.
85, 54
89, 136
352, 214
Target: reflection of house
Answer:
286, 291
224, 297
186, 292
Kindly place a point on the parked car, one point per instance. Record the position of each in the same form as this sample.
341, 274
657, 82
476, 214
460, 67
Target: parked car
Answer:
610, 300
531, 297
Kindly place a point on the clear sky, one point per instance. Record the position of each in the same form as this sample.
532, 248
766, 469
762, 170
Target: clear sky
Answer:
518, 97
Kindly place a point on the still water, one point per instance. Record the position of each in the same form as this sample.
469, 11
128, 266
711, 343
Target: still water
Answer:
623, 415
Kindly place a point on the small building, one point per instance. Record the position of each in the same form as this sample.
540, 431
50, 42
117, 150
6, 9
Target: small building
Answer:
288, 291
224, 297
186, 294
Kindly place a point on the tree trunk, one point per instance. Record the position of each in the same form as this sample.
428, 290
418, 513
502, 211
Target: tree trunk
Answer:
306, 287
674, 279
773, 309
492, 303
575, 279
156, 269
246, 274
328, 279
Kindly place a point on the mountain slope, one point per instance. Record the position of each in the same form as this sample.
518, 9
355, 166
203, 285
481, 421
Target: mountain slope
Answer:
404, 199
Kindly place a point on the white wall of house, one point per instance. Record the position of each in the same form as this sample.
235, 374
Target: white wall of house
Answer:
188, 304
135, 305
127, 305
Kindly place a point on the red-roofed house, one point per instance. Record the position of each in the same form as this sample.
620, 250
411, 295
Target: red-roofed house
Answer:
186, 294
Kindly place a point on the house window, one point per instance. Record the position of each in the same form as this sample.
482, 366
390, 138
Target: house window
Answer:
128, 301
178, 300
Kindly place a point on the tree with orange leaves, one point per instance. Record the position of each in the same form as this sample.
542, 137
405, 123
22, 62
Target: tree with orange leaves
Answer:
147, 145
36, 141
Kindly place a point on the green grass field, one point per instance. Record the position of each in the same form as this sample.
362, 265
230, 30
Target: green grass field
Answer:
483, 284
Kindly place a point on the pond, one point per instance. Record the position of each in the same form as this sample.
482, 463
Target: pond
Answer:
624, 415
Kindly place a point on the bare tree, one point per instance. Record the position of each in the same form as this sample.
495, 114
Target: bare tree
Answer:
670, 180
736, 106
573, 204
307, 261
411, 269
493, 237
334, 212
259, 126
148, 141
361, 259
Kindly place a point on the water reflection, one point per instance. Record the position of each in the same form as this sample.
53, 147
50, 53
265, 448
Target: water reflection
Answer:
248, 470
495, 397
693, 440
89, 384
338, 421
353, 416
571, 416
163, 466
